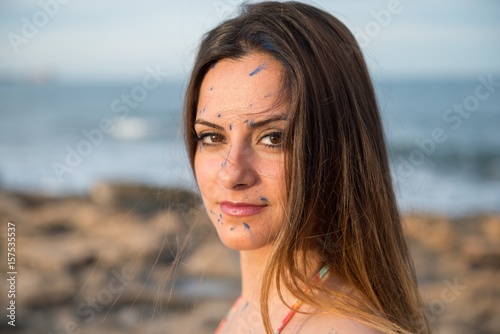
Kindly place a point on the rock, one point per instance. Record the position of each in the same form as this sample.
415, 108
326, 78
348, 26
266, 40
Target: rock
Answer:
491, 230
44, 289
150, 261
433, 232
222, 262
143, 199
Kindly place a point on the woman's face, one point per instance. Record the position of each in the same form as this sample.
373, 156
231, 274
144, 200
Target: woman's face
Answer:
239, 158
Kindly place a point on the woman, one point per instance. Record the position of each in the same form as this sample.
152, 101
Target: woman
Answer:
287, 148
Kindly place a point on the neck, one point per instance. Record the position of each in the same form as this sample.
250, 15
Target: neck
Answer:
253, 263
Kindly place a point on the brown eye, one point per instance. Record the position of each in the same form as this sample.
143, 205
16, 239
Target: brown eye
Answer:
274, 139
211, 138
216, 138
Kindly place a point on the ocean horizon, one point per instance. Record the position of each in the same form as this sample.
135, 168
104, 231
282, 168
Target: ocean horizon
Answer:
61, 139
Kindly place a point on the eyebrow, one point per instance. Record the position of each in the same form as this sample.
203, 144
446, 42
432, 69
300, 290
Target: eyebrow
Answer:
212, 125
251, 124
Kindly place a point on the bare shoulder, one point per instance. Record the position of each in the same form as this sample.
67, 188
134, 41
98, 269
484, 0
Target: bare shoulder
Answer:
332, 324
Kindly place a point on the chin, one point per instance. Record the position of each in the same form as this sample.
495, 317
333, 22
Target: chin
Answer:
241, 240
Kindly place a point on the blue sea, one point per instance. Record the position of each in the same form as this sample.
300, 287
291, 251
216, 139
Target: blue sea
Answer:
443, 136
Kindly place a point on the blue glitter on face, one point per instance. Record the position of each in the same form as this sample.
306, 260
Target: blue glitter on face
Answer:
246, 226
227, 157
257, 70
263, 199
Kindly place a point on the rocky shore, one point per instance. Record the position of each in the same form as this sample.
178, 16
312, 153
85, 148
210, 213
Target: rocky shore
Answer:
137, 259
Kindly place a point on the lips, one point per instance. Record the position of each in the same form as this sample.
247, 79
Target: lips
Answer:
240, 209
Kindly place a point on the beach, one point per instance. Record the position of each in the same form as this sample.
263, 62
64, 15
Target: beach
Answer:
110, 238
102, 229
130, 258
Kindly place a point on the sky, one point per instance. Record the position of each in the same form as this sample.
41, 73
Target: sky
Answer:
77, 40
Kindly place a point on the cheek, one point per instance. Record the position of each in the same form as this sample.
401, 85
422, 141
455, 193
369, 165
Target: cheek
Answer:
272, 172
204, 170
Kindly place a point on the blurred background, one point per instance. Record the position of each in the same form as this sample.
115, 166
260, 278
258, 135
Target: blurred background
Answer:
91, 94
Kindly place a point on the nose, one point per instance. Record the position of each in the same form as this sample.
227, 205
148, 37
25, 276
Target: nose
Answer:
238, 169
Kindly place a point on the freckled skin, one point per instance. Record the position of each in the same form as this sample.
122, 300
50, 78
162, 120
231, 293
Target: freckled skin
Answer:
242, 166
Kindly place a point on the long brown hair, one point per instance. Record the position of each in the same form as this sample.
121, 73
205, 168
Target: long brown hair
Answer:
340, 205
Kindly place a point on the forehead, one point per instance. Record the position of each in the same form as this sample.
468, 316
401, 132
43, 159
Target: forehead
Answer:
240, 87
